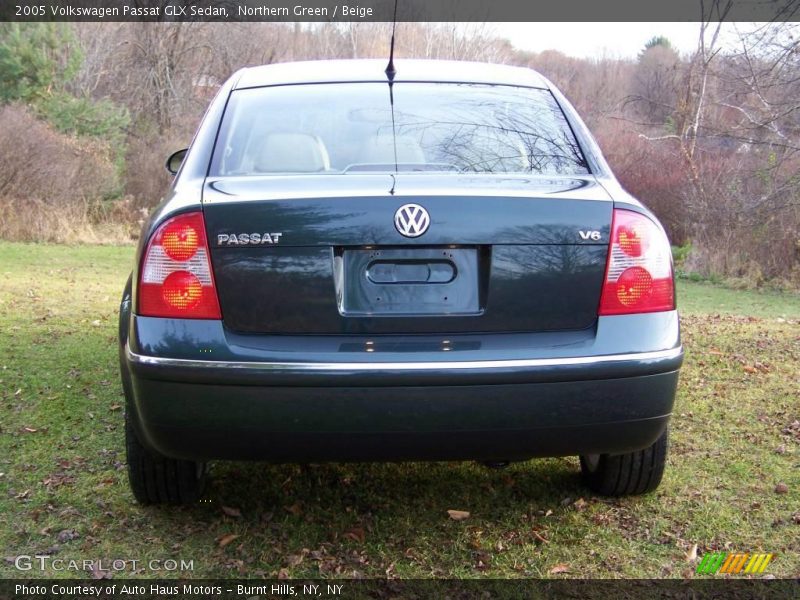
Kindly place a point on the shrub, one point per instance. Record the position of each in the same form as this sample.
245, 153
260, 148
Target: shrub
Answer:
145, 177
652, 172
85, 117
51, 183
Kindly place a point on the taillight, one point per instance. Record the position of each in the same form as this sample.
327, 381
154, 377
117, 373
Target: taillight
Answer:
639, 267
176, 278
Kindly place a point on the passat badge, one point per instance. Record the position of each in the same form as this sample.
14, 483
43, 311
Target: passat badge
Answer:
412, 220
247, 239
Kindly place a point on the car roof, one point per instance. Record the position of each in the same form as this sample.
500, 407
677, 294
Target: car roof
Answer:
339, 71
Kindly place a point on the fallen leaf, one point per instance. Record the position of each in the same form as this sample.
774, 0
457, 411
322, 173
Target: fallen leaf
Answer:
483, 560
749, 369
539, 537
56, 480
793, 429
30, 429
294, 559
226, 539
691, 555
356, 534
781, 488
458, 515
559, 568
283, 574
295, 509
231, 511
66, 535
115, 406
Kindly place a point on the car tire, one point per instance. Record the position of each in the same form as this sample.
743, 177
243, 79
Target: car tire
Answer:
626, 474
158, 479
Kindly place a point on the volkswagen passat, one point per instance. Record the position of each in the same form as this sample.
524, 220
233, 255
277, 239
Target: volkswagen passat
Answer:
436, 264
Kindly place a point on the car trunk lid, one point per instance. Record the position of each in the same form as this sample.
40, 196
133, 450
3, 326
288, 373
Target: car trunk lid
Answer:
322, 254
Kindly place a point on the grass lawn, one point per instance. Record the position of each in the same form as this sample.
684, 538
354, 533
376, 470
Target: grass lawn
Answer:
733, 481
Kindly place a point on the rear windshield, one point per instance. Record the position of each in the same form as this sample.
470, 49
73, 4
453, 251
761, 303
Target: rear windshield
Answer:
360, 127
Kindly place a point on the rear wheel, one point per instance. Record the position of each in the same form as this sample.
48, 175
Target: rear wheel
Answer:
158, 479
626, 474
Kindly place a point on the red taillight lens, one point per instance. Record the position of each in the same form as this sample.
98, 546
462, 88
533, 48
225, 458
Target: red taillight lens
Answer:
182, 290
639, 269
180, 241
176, 278
631, 240
633, 284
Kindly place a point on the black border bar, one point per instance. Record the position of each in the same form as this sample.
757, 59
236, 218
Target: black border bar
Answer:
467, 589
407, 10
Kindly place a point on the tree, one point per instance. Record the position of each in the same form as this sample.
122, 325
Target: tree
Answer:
34, 59
655, 81
736, 126
655, 42
37, 63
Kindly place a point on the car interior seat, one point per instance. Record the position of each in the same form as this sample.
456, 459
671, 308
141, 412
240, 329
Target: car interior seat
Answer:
380, 149
291, 152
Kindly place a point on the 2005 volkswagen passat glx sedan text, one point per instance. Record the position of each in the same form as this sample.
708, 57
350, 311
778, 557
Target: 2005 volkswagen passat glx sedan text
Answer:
435, 264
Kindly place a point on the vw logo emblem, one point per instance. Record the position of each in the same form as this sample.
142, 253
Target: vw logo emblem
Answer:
412, 220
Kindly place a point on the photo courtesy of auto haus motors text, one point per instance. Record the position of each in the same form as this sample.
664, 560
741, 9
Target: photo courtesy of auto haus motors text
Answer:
183, 590
399, 299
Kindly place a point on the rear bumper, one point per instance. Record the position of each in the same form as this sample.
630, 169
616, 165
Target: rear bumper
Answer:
494, 401
405, 373
447, 422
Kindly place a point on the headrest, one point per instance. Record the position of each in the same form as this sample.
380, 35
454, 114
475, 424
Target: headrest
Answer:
379, 149
291, 153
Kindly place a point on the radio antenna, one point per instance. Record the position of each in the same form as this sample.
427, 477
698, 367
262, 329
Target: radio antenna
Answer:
390, 73
390, 70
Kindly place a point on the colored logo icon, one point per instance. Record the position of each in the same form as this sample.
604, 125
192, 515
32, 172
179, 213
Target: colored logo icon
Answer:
734, 563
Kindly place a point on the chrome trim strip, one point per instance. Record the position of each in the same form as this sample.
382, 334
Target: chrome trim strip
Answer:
399, 366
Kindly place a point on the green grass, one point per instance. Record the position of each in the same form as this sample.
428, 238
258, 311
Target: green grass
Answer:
706, 298
63, 488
